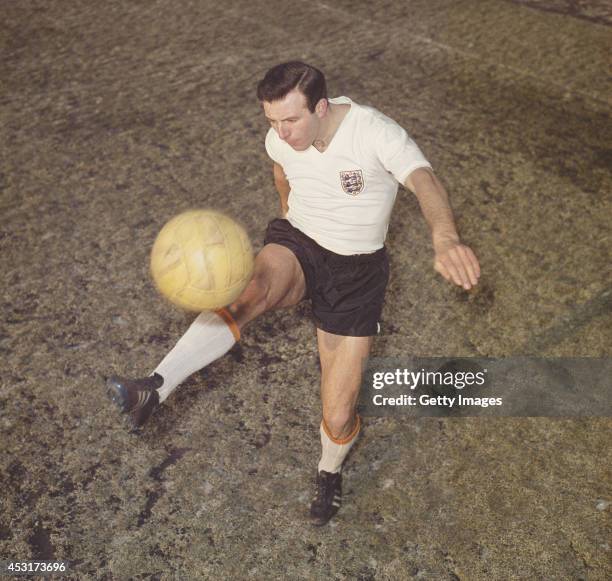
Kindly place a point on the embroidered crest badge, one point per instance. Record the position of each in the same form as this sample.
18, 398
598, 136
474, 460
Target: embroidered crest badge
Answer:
352, 181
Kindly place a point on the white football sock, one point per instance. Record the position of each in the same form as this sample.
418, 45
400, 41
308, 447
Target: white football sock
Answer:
209, 337
334, 450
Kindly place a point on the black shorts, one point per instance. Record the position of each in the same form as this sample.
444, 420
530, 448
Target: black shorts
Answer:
346, 292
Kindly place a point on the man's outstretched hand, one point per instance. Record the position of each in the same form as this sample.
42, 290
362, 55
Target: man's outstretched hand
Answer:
457, 263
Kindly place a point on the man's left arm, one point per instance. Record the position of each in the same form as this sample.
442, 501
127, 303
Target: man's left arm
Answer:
453, 260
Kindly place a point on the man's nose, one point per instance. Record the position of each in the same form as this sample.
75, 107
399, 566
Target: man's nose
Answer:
282, 132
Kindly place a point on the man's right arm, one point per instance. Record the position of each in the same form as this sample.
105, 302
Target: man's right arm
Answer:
283, 187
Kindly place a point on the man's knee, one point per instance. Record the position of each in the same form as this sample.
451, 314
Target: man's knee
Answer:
277, 281
279, 276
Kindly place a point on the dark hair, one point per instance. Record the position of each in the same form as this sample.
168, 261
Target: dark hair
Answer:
282, 79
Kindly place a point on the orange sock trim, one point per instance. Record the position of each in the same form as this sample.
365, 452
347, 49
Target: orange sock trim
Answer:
227, 317
346, 440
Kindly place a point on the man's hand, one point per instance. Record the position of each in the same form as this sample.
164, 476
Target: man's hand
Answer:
457, 263
454, 261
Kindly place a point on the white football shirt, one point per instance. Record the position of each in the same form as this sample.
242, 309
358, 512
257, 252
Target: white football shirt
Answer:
342, 197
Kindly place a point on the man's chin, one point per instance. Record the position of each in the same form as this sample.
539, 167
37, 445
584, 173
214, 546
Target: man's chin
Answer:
299, 146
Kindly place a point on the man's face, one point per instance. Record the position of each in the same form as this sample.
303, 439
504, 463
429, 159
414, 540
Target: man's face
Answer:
292, 120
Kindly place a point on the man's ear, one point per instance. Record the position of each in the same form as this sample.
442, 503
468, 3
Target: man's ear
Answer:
321, 107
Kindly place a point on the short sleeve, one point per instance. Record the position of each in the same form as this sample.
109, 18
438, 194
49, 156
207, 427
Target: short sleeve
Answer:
398, 153
272, 143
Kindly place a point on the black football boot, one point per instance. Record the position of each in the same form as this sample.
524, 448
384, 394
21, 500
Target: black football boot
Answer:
137, 398
328, 497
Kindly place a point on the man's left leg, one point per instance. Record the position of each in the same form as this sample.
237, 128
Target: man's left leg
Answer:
341, 369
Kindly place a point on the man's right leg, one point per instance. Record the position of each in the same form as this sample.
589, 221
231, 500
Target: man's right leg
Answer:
277, 282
